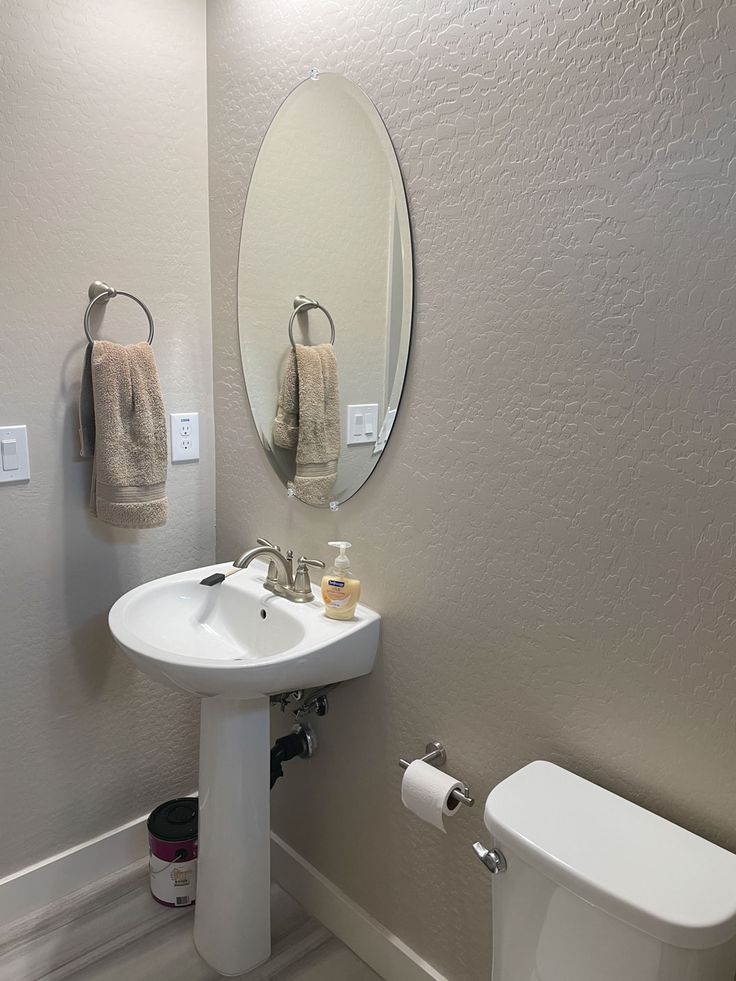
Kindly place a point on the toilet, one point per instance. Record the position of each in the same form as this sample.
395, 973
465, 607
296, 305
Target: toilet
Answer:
598, 889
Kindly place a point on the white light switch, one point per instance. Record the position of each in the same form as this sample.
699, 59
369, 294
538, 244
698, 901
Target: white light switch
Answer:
9, 453
184, 436
14, 462
362, 424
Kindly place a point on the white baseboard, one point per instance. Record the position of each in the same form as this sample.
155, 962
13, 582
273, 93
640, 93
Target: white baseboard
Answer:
385, 953
48, 881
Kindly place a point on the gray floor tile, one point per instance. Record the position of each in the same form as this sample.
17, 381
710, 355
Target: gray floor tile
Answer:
303, 950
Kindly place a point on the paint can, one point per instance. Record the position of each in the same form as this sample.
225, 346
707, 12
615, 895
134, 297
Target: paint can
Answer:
172, 840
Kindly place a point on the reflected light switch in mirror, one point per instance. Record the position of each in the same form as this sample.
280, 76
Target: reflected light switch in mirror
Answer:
362, 424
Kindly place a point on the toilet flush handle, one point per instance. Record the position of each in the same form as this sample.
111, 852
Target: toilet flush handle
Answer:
494, 860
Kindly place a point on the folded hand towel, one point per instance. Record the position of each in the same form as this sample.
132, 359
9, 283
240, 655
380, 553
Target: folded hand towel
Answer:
308, 416
127, 434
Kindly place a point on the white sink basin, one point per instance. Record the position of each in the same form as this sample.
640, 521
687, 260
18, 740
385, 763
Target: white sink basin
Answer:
237, 639
236, 644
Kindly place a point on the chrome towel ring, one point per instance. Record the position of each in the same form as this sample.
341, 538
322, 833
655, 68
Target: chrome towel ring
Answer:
301, 305
100, 292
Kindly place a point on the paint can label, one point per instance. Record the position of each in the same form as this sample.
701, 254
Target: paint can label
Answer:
173, 883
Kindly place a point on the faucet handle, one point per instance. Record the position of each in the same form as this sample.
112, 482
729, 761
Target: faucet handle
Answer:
302, 582
317, 563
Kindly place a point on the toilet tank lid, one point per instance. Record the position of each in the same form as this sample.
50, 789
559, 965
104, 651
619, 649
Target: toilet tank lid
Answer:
640, 868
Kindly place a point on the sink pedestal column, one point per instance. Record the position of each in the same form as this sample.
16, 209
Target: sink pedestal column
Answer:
232, 918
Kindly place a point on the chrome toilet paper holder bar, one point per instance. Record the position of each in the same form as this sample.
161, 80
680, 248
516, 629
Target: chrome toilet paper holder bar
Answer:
436, 754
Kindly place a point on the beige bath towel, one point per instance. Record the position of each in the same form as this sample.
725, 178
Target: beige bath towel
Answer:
123, 425
308, 418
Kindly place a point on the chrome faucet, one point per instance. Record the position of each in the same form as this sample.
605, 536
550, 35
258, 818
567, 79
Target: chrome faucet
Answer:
280, 578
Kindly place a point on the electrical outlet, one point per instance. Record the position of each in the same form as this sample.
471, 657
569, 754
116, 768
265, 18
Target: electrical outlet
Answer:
184, 436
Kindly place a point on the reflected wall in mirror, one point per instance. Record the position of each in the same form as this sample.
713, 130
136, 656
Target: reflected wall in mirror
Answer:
325, 220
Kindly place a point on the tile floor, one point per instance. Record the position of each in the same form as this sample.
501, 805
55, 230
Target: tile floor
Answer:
306, 952
118, 933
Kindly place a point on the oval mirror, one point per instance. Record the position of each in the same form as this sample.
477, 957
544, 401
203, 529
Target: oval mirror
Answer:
325, 261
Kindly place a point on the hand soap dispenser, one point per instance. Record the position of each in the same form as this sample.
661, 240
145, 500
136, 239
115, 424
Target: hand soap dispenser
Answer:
340, 591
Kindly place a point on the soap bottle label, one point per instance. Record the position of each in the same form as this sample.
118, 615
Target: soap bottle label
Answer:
334, 593
340, 594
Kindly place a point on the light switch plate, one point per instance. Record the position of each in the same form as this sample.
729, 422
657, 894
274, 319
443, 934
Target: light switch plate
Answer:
362, 424
184, 436
18, 459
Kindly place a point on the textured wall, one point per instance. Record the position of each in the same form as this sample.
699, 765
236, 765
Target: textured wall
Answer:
103, 174
550, 534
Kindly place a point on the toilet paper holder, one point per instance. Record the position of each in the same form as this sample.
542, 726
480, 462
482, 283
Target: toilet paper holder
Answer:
436, 754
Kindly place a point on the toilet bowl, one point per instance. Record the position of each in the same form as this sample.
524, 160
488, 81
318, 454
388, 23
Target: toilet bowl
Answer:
599, 889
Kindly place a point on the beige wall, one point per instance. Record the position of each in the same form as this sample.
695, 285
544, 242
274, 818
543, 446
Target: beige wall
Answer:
550, 534
103, 174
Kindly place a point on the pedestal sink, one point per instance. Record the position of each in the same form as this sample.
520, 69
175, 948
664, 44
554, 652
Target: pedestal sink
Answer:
236, 644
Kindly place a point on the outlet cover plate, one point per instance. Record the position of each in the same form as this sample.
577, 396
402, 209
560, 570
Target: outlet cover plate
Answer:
184, 436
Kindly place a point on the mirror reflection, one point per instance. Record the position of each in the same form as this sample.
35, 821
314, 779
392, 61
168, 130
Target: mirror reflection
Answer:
325, 290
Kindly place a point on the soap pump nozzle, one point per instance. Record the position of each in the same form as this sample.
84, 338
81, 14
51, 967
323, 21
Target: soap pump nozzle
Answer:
342, 562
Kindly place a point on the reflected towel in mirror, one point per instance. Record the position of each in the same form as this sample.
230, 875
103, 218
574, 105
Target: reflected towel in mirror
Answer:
308, 420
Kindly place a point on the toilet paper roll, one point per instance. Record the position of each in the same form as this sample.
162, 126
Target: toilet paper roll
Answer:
425, 791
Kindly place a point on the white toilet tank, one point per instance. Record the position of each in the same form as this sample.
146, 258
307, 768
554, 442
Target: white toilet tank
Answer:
599, 889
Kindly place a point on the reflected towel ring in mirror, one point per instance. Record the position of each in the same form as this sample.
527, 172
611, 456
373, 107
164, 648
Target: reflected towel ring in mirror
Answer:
301, 305
100, 292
